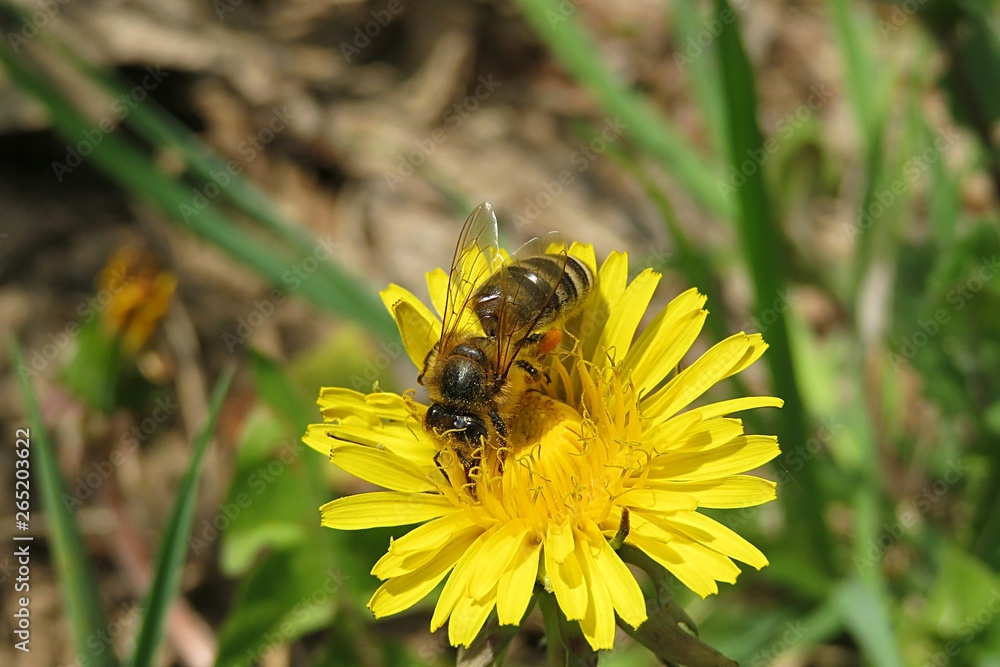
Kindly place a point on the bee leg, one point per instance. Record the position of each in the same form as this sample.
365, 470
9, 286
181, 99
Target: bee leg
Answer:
526, 366
501, 429
500, 426
534, 375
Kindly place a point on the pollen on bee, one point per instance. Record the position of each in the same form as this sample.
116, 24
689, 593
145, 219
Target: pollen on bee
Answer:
550, 341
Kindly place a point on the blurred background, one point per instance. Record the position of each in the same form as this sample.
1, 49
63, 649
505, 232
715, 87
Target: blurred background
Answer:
193, 188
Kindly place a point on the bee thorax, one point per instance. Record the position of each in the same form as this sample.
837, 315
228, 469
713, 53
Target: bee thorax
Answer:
463, 380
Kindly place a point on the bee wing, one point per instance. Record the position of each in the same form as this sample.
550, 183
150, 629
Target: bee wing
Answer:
477, 257
512, 331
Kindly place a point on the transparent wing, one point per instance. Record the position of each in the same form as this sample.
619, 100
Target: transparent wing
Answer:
477, 257
513, 325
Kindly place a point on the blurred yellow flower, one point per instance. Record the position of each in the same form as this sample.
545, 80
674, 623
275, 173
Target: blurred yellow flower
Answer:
137, 295
602, 449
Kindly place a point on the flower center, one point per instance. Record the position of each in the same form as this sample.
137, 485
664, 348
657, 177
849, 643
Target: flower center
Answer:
564, 463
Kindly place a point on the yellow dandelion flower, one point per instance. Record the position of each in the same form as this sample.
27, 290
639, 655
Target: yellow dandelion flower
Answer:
138, 295
605, 447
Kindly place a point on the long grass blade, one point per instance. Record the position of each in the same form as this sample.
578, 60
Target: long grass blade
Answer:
646, 127
87, 620
173, 550
327, 286
763, 241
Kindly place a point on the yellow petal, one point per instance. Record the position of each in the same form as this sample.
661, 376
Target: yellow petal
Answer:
659, 500
382, 468
433, 534
401, 593
665, 341
625, 315
700, 436
458, 582
722, 360
518, 580
408, 440
501, 547
585, 253
663, 553
318, 437
396, 565
437, 287
468, 618
713, 534
723, 408
418, 328
672, 430
609, 289
383, 508
694, 559
566, 577
598, 622
736, 456
559, 543
626, 596
725, 493
340, 403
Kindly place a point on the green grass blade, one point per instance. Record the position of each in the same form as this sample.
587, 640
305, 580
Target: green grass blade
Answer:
701, 68
866, 615
83, 602
152, 122
173, 550
867, 84
763, 243
644, 125
138, 174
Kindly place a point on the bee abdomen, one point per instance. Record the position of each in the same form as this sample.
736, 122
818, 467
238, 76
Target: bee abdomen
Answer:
532, 280
572, 284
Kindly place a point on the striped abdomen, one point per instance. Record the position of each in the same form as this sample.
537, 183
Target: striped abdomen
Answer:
523, 289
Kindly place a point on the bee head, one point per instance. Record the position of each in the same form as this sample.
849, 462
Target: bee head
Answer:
466, 428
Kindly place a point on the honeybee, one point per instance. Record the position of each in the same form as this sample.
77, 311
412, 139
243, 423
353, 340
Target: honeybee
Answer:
497, 323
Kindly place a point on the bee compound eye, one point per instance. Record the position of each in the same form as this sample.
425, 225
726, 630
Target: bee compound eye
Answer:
465, 428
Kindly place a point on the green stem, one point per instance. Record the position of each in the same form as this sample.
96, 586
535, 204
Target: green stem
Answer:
567, 646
